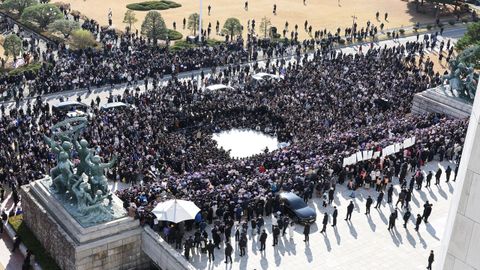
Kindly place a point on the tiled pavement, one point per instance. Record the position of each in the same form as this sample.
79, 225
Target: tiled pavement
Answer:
364, 243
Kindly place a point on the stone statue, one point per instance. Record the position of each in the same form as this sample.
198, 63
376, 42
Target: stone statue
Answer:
84, 186
462, 77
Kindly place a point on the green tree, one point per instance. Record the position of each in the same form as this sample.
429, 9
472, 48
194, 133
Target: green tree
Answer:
471, 37
129, 19
42, 14
232, 27
265, 25
83, 39
192, 24
18, 5
12, 46
153, 27
66, 27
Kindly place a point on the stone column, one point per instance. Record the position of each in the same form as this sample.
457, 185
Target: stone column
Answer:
460, 248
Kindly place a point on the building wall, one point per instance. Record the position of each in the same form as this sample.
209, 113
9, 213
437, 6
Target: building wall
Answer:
461, 241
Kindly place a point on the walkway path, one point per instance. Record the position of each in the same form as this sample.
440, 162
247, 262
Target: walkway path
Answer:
104, 92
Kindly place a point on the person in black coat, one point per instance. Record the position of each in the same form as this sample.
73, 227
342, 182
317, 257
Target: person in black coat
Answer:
324, 222
379, 199
243, 245
431, 258
418, 222
211, 251
276, 234
263, 240
391, 220
306, 232
330, 196
228, 252
349, 211
429, 179
427, 210
187, 247
448, 172
437, 176
334, 216
368, 205
390, 194
406, 217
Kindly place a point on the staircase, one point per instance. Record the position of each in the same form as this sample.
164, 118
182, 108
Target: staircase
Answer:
438, 100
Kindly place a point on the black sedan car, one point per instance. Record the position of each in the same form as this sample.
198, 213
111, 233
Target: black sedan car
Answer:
296, 208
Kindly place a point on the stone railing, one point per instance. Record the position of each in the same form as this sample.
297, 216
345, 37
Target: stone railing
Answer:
161, 253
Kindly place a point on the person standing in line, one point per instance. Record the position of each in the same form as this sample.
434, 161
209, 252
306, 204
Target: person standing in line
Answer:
429, 178
263, 240
368, 205
390, 194
228, 252
392, 219
448, 172
379, 199
209, 9
431, 259
276, 234
418, 222
406, 217
334, 216
437, 176
243, 245
211, 251
324, 222
306, 233
349, 211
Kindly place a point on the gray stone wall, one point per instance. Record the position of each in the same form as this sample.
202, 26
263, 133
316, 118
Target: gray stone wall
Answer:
120, 250
461, 240
53, 238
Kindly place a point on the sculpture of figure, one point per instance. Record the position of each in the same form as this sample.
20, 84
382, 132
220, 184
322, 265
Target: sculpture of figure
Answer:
63, 173
83, 151
96, 211
88, 199
82, 194
96, 169
462, 77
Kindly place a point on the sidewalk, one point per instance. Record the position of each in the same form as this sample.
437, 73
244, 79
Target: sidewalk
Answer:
9, 260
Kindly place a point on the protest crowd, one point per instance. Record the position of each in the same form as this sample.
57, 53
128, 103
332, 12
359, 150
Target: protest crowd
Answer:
326, 107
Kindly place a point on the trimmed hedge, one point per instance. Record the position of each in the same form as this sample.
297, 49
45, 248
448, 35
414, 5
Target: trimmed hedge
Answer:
153, 5
31, 242
33, 67
174, 35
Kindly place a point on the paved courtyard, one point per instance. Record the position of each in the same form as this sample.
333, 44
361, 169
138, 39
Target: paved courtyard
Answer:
363, 243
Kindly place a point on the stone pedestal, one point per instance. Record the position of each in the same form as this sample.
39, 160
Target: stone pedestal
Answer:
438, 100
112, 245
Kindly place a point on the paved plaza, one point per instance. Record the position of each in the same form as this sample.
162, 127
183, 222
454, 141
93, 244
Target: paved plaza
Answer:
363, 243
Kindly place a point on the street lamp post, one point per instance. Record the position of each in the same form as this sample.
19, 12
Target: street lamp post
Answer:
200, 22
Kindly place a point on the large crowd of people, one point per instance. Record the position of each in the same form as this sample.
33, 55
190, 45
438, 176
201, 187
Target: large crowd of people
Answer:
326, 107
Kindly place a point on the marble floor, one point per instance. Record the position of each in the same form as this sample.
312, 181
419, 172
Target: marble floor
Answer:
363, 243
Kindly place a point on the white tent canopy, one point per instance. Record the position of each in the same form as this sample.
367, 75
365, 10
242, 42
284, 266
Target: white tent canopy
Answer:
262, 75
217, 87
176, 210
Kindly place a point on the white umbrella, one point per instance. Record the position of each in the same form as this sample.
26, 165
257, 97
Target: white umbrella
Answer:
176, 210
